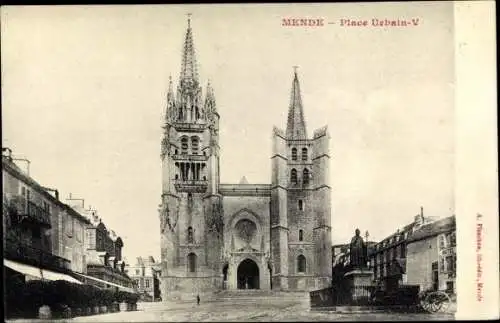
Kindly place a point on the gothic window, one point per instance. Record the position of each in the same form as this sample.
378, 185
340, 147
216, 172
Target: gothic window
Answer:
293, 176
184, 146
294, 153
301, 235
301, 205
176, 176
176, 151
190, 235
194, 145
304, 153
301, 264
191, 262
305, 176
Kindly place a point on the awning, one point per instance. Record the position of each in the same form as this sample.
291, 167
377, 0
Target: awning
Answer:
23, 269
50, 275
126, 289
37, 272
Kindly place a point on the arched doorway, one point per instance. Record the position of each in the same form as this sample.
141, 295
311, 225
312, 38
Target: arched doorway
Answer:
248, 275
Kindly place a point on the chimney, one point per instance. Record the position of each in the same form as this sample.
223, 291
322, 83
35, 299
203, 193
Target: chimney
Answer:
56, 192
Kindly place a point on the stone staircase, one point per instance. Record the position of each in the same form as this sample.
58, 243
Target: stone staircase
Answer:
267, 298
244, 299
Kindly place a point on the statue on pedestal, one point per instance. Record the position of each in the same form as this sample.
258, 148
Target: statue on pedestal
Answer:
358, 253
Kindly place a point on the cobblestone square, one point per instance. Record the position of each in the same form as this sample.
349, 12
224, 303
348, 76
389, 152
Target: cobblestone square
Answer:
256, 312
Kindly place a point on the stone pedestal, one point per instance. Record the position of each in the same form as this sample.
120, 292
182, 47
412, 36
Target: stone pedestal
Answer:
359, 281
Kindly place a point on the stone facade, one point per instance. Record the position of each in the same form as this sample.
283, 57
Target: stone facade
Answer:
235, 236
42, 231
431, 256
388, 258
44, 223
145, 275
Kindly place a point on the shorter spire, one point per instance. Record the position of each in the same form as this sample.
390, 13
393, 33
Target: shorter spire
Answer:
170, 110
296, 126
210, 105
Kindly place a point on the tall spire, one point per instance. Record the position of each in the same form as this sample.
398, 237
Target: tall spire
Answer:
296, 126
188, 69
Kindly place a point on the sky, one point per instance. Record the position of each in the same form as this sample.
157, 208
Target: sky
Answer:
84, 89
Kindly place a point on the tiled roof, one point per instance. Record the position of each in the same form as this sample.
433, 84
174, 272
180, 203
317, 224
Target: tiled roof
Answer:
433, 229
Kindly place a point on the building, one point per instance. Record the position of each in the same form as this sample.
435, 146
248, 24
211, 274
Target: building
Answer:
31, 227
431, 256
388, 258
48, 239
145, 273
240, 236
105, 267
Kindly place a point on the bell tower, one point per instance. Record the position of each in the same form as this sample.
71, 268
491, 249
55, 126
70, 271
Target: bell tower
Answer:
300, 202
190, 209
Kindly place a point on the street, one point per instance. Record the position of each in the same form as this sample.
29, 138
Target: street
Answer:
225, 311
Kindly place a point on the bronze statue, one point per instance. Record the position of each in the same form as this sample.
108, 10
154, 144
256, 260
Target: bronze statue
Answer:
358, 253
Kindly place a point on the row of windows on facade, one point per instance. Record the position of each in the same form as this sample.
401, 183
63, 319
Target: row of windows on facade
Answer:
68, 220
447, 264
295, 155
140, 285
395, 252
301, 263
306, 176
393, 239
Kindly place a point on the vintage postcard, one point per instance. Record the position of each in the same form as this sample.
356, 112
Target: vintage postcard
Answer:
250, 162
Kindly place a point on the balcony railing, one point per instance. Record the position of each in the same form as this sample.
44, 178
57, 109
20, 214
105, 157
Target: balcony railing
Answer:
183, 126
38, 214
198, 186
28, 210
190, 157
22, 252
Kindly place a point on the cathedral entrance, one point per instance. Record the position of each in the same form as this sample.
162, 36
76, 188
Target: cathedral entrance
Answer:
248, 275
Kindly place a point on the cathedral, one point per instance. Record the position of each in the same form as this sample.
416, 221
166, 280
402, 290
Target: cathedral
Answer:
217, 236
